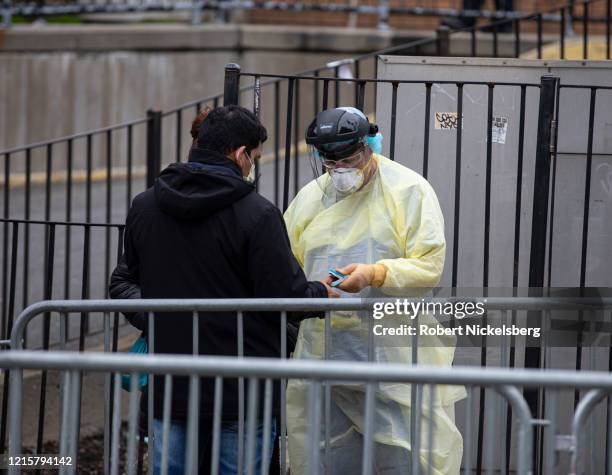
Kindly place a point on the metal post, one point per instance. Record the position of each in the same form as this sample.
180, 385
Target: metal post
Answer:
7, 14
383, 15
154, 119
443, 40
196, 13
231, 84
548, 93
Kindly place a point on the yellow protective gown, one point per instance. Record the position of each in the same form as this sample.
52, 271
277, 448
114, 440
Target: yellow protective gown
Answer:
394, 220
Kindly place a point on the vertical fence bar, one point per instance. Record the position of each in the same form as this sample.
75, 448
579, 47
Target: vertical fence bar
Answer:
26, 249
517, 236
107, 396
467, 451
549, 446
7, 332
360, 99
537, 258
539, 33
276, 139
231, 84
129, 169
120, 236
415, 438
65, 409
191, 451
74, 417
585, 30
179, 134
327, 396
314, 426
109, 200
132, 424
240, 354
587, 188
495, 41
608, 436
426, 129
608, 21
485, 273
325, 94
50, 252
517, 38
316, 97
562, 26
473, 42
457, 209
394, 86
88, 171
368, 439
251, 426
336, 86
116, 429
487, 217
357, 75
257, 112
48, 172
154, 133
85, 285
375, 59
216, 439
430, 432
267, 430
553, 149
67, 244
443, 40
491, 423
5, 238
150, 386
288, 143
15, 414
283, 388
166, 424
296, 135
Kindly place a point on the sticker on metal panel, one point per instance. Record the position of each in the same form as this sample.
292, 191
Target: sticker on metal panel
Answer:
500, 128
446, 121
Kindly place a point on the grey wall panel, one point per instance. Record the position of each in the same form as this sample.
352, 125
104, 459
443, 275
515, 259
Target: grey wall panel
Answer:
571, 166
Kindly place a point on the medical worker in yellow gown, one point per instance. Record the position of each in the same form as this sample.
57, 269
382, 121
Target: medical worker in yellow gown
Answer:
380, 222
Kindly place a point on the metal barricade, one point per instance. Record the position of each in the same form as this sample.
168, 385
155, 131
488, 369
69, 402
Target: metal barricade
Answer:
73, 365
480, 418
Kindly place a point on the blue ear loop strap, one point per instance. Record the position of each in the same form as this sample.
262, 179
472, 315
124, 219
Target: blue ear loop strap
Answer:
375, 142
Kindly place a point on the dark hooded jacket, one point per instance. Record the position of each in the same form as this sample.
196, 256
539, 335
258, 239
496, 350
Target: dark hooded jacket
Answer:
202, 232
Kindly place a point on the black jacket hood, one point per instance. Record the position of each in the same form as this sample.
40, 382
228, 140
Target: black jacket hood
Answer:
209, 182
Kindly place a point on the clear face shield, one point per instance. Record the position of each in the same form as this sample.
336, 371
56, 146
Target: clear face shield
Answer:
339, 173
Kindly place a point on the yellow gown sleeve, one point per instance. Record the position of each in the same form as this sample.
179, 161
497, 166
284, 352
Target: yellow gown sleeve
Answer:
294, 230
419, 220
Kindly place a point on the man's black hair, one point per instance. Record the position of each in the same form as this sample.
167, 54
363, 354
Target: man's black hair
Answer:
229, 127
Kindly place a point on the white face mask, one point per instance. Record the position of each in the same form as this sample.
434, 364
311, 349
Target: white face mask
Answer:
347, 180
250, 178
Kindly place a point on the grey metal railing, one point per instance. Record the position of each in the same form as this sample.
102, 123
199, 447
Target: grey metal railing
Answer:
503, 381
486, 412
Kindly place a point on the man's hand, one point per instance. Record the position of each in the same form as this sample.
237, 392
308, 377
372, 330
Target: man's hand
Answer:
331, 292
361, 276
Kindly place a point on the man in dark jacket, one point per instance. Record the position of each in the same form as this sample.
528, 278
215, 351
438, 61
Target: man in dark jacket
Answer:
203, 232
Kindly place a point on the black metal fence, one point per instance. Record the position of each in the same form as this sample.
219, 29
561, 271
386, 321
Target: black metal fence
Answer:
532, 239
383, 9
60, 197
119, 155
